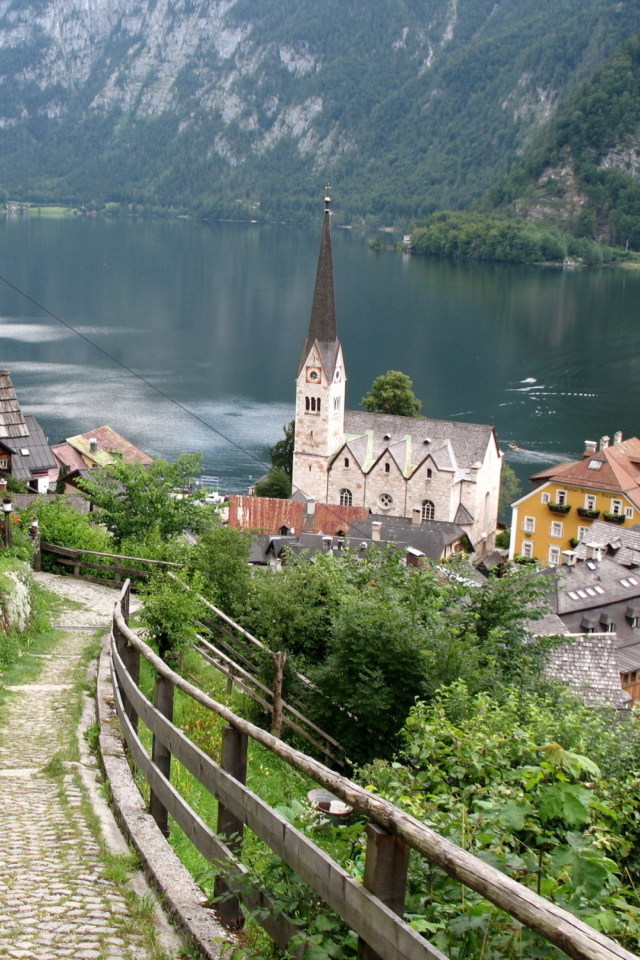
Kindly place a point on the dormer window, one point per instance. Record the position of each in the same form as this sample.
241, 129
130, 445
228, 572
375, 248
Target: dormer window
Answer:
25, 452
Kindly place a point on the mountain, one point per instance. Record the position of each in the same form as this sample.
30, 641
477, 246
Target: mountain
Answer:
582, 173
244, 107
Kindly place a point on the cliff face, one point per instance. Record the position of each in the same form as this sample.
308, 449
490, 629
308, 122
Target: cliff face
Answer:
224, 106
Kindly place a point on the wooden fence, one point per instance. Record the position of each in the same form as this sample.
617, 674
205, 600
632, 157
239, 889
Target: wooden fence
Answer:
73, 560
372, 909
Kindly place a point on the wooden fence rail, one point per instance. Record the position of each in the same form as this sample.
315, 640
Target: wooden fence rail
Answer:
372, 910
72, 559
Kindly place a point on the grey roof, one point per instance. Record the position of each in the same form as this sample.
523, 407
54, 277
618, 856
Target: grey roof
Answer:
23, 501
589, 666
593, 584
12, 421
429, 537
469, 441
622, 543
462, 515
38, 459
322, 325
629, 656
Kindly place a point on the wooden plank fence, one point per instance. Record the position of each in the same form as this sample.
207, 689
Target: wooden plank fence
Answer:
73, 560
374, 909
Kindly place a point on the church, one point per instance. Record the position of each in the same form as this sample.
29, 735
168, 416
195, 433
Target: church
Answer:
394, 466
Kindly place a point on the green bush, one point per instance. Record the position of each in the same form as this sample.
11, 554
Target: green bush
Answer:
64, 526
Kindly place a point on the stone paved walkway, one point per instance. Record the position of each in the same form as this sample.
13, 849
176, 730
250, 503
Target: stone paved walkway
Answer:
55, 896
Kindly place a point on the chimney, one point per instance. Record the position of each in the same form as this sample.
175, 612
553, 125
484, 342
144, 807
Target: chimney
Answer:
376, 526
571, 557
590, 447
93, 445
416, 516
604, 443
311, 507
326, 543
617, 437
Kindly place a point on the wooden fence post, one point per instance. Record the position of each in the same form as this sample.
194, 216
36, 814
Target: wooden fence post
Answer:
76, 566
230, 828
279, 660
385, 875
126, 603
117, 563
160, 754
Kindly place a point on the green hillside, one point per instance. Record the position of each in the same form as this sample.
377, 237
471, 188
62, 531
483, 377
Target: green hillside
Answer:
582, 173
245, 108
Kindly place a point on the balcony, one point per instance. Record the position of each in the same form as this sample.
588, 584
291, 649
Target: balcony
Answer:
588, 514
614, 517
559, 507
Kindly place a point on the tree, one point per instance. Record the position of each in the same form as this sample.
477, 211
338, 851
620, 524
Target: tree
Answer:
277, 483
281, 453
136, 500
392, 393
510, 489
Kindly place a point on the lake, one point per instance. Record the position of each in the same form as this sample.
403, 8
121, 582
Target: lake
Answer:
214, 316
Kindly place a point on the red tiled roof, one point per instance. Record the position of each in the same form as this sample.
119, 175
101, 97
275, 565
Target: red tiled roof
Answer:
619, 473
109, 441
268, 515
67, 456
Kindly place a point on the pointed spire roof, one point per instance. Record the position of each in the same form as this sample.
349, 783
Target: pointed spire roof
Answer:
322, 326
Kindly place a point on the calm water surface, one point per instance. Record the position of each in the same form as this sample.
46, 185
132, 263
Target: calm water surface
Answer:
214, 315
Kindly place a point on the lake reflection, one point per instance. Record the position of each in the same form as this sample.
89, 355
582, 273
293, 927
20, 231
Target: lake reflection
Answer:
214, 315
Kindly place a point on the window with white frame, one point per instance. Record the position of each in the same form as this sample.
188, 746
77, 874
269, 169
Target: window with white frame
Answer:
554, 555
346, 498
616, 507
428, 510
561, 496
582, 532
628, 512
557, 529
545, 497
529, 525
527, 548
590, 501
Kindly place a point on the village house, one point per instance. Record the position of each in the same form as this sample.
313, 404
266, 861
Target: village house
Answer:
24, 450
75, 456
392, 465
557, 514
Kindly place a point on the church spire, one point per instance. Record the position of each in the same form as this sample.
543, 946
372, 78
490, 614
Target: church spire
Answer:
323, 312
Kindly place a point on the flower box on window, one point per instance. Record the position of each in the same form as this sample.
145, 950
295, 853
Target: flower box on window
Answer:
559, 507
588, 514
614, 517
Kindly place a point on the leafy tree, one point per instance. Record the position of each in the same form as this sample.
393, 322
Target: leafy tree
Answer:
221, 559
281, 453
510, 489
169, 613
134, 500
392, 393
277, 483
520, 782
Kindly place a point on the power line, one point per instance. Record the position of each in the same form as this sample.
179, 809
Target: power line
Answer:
162, 393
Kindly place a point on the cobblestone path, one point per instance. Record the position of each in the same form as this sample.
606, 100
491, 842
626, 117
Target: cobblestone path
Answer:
56, 896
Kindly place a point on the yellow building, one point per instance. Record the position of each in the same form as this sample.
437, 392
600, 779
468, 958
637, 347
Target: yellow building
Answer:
550, 520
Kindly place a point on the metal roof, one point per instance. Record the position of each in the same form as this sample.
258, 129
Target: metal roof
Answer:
38, 458
12, 421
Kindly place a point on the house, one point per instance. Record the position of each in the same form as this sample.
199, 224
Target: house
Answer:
566, 499
391, 465
95, 448
24, 450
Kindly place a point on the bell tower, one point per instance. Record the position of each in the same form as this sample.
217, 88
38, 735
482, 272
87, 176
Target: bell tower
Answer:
320, 384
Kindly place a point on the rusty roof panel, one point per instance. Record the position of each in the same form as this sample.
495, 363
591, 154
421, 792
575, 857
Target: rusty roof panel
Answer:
269, 515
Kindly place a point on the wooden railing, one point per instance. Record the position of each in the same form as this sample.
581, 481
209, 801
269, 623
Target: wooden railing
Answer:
73, 560
373, 909
230, 648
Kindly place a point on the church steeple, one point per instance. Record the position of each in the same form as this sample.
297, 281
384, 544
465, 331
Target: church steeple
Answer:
322, 325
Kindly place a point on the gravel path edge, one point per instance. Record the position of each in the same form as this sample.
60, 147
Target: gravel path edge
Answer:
182, 898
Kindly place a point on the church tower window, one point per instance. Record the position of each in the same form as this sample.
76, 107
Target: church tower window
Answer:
428, 510
346, 498
318, 401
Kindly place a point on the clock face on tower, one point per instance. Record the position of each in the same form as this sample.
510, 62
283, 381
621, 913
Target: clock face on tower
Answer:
314, 375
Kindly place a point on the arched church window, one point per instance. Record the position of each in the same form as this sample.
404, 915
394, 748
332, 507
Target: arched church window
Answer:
387, 468
346, 461
318, 402
429, 473
346, 498
428, 510
385, 500
307, 403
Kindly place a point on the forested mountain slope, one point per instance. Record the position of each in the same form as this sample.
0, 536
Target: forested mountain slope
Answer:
244, 107
583, 171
